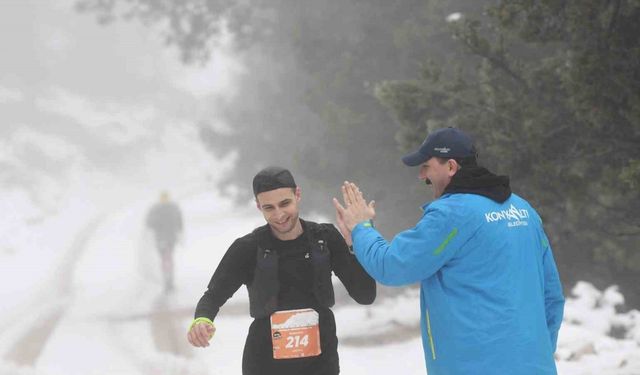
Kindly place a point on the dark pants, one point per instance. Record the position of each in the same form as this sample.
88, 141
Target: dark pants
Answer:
165, 246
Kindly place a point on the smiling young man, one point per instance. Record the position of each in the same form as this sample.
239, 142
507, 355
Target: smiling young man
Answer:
286, 266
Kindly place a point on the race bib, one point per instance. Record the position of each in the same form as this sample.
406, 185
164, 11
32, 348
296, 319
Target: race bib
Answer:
295, 334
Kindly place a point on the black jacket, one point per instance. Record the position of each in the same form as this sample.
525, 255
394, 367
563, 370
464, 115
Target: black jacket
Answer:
165, 219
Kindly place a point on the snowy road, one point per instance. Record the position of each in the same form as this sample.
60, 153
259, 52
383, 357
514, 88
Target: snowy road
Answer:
49, 303
111, 315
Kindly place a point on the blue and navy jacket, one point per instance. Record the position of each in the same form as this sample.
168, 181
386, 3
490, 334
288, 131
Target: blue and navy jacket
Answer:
491, 299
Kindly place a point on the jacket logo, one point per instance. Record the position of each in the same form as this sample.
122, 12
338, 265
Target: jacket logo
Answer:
516, 217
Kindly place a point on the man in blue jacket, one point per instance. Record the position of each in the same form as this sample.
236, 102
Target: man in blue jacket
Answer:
491, 298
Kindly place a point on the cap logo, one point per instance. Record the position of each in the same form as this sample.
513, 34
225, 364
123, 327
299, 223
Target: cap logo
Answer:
442, 150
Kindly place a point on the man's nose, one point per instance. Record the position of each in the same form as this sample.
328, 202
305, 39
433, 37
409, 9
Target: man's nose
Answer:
278, 214
422, 175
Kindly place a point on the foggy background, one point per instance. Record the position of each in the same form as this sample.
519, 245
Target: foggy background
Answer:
103, 104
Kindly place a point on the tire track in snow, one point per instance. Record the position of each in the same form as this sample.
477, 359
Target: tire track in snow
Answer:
28, 347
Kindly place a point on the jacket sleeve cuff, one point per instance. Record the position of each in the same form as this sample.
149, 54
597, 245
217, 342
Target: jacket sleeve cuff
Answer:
363, 225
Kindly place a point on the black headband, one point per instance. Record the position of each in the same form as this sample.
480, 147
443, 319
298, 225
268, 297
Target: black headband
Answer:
272, 178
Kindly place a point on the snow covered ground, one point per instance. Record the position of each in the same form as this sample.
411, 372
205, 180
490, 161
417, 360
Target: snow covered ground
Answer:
90, 302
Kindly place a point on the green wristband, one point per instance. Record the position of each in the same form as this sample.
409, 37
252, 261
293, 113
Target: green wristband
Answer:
367, 223
201, 320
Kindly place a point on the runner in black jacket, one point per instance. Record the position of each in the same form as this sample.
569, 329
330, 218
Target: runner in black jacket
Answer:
286, 265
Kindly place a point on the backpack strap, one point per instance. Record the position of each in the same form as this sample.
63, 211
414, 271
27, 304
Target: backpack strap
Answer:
321, 261
263, 291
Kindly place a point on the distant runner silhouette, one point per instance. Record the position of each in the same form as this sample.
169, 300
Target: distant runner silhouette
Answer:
165, 220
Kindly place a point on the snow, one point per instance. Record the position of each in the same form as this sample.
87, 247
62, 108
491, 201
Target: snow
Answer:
86, 144
454, 17
107, 319
585, 341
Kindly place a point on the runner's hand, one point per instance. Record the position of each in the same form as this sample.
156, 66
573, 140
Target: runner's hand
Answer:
346, 233
200, 334
355, 209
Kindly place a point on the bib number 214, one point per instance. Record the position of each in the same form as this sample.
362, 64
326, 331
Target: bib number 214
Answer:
296, 341
295, 334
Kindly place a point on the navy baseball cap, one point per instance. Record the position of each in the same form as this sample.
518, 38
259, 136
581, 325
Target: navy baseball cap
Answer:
272, 178
448, 143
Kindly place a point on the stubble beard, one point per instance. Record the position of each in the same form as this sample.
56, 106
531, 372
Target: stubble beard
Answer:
293, 221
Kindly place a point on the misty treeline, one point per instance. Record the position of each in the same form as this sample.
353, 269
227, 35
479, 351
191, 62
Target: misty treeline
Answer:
341, 89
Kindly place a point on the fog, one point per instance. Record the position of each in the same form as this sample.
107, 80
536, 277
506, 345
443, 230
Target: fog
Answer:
78, 98
96, 120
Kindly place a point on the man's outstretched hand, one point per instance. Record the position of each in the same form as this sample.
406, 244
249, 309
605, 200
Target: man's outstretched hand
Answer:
353, 210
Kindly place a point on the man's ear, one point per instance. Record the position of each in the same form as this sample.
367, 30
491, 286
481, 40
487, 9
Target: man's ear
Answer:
258, 205
298, 193
454, 167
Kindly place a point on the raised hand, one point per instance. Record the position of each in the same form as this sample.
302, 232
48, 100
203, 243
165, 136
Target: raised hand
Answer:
346, 233
355, 209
